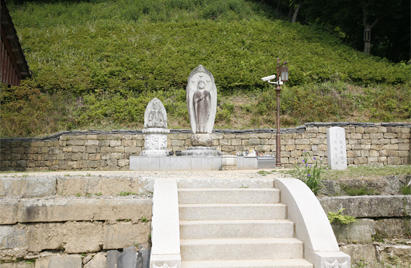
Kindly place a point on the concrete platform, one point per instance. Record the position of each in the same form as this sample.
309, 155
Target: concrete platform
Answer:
175, 163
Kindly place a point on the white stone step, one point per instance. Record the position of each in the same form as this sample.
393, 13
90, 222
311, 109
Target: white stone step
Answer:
241, 249
193, 212
236, 229
228, 196
252, 182
275, 263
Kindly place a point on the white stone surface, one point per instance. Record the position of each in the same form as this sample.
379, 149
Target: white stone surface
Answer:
236, 229
229, 196
234, 181
202, 74
336, 148
155, 143
328, 259
241, 249
247, 162
232, 212
311, 223
280, 263
175, 163
229, 162
165, 224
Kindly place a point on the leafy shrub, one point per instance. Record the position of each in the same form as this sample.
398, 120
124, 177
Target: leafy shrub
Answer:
339, 218
310, 174
98, 63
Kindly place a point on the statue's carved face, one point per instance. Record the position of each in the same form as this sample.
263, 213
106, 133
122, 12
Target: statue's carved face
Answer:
201, 85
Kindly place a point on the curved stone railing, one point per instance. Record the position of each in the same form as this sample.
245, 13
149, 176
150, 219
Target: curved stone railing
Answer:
311, 224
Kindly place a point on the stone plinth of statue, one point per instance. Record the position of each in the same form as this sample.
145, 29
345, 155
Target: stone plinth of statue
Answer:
202, 108
155, 129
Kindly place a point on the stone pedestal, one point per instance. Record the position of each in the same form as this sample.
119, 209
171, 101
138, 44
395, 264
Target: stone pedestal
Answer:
155, 142
229, 162
201, 151
203, 139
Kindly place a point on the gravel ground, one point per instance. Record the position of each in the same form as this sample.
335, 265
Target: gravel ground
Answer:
226, 174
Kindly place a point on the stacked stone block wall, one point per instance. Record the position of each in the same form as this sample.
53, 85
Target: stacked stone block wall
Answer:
367, 144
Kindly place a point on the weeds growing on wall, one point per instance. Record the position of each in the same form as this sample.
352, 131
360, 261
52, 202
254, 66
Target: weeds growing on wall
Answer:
339, 218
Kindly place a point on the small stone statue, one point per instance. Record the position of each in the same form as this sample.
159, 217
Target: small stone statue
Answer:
155, 129
155, 117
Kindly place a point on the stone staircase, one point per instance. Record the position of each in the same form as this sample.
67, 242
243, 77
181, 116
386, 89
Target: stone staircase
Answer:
237, 227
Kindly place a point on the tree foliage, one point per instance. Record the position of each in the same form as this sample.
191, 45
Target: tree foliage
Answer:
347, 19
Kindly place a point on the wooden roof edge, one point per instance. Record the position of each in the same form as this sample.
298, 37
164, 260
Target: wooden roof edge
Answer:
10, 36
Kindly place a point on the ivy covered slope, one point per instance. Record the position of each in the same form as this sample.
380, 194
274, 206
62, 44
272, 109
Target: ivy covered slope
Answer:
97, 64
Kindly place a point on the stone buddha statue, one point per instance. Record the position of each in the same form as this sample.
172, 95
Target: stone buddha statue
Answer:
202, 106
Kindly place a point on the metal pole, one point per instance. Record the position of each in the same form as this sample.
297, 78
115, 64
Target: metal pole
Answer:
278, 135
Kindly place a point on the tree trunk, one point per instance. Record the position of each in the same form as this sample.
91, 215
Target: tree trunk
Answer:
294, 19
367, 27
367, 43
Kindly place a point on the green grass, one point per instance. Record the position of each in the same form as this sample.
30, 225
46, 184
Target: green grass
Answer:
97, 64
126, 193
405, 190
355, 191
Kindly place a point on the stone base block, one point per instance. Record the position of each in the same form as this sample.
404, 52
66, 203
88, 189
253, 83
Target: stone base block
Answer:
328, 259
201, 151
165, 261
247, 162
154, 153
229, 162
176, 163
202, 140
266, 162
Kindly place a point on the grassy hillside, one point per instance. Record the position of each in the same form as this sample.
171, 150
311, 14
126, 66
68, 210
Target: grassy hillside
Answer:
97, 64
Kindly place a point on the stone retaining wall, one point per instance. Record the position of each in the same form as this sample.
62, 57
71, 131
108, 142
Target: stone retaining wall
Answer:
73, 220
382, 232
367, 144
70, 220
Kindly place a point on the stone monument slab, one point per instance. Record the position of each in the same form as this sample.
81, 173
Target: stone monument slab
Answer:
337, 152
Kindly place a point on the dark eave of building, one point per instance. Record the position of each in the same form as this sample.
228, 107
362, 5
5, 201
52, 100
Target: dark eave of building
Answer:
14, 66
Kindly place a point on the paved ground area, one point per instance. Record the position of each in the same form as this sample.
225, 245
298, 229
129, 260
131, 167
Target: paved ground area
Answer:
229, 174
